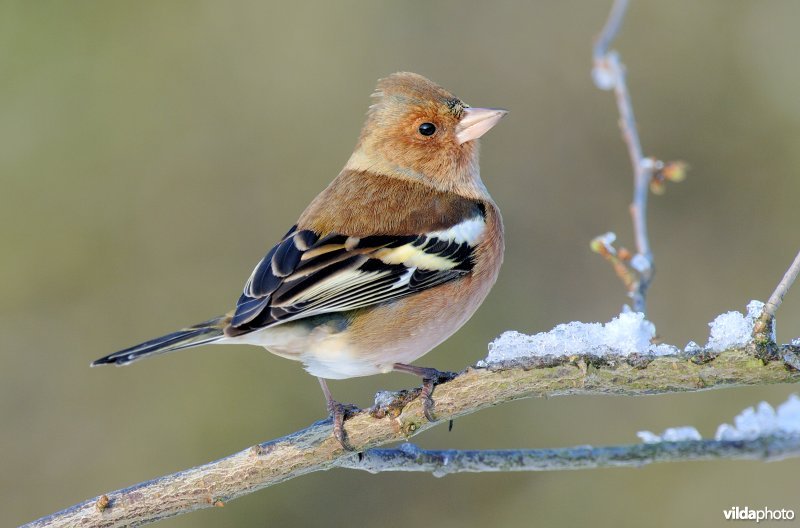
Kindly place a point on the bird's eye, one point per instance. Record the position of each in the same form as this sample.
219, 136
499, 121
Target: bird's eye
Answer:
427, 129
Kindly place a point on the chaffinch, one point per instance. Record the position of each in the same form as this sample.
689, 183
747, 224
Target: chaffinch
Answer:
386, 263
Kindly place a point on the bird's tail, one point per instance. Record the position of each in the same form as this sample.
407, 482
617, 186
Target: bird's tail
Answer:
199, 334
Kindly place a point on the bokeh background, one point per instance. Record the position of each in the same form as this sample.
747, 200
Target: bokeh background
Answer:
151, 152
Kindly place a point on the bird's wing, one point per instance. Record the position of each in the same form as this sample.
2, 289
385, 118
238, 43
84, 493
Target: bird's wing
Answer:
307, 274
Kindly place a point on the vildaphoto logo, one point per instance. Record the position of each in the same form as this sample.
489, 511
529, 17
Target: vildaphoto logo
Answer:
737, 513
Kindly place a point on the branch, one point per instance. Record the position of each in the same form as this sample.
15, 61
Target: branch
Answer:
609, 74
315, 449
763, 327
440, 463
607, 35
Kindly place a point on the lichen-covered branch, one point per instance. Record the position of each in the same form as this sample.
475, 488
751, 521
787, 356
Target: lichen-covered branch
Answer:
315, 449
409, 457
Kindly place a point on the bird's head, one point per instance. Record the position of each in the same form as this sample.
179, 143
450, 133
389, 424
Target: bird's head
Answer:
418, 130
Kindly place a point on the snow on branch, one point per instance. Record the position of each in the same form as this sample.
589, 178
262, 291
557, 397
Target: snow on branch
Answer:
625, 336
440, 463
757, 434
754, 423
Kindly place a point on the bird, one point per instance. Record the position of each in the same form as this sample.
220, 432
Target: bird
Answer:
386, 263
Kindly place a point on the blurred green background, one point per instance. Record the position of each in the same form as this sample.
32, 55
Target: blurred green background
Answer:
151, 152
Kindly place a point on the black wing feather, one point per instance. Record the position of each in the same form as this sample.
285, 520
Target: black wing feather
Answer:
307, 274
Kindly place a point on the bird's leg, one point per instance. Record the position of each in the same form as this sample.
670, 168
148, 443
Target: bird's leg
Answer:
430, 378
338, 412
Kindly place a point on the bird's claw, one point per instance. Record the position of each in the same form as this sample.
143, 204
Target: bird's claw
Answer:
432, 378
339, 413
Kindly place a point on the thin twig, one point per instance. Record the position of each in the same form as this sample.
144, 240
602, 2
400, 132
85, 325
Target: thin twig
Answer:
609, 73
762, 331
609, 32
315, 448
409, 457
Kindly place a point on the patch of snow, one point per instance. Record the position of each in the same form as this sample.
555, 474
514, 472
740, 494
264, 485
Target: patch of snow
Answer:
763, 420
733, 329
681, 434
629, 332
603, 78
384, 398
648, 437
625, 334
663, 349
673, 434
750, 424
640, 263
692, 348
608, 241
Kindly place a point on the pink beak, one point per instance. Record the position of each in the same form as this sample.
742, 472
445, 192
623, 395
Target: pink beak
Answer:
476, 122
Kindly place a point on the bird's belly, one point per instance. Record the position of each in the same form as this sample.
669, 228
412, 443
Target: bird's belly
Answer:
370, 341
329, 351
324, 348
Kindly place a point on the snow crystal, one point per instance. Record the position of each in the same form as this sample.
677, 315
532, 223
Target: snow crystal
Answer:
732, 329
763, 420
626, 334
673, 434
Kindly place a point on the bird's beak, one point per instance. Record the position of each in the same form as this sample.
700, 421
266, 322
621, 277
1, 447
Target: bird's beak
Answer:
476, 122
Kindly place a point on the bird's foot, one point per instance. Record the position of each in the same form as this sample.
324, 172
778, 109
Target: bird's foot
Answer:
339, 412
430, 378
